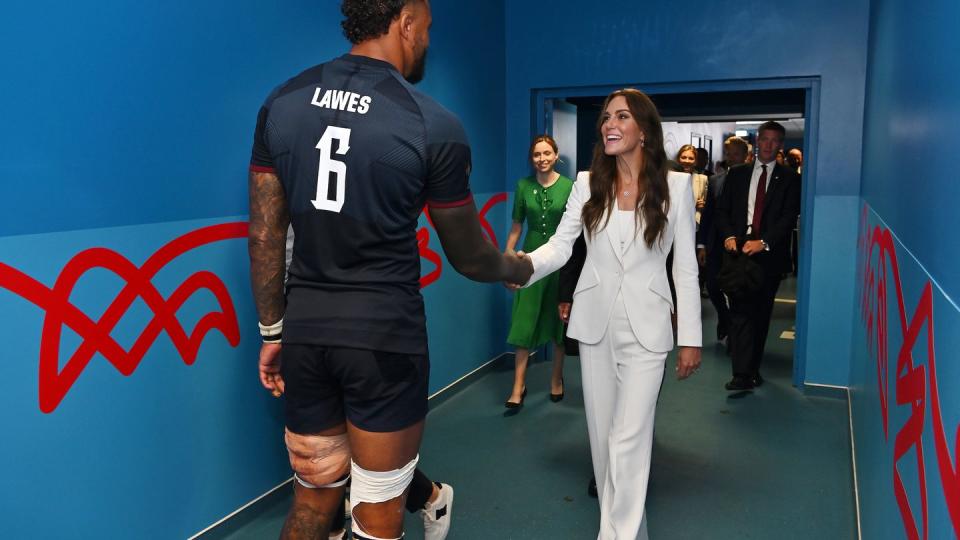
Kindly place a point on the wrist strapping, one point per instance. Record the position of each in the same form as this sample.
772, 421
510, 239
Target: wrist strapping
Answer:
271, 333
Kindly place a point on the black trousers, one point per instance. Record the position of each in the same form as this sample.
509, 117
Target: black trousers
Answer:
717, 298
749, 325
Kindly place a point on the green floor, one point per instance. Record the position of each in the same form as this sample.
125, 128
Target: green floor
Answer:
770, 464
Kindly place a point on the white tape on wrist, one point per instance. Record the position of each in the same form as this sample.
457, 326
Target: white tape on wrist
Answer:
271, 333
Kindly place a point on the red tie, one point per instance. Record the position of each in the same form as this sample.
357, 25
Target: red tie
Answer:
758, 203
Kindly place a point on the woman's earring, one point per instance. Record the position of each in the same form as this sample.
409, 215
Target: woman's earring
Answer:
643, 142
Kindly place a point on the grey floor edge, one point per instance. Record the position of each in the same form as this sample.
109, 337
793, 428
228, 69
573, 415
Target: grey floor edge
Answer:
771, 463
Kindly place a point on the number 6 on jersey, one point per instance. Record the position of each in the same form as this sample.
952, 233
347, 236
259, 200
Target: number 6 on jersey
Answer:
328, 166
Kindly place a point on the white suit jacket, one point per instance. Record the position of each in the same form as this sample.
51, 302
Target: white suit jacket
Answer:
638, 272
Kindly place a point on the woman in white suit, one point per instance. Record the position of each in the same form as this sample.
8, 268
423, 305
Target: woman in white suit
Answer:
631, 211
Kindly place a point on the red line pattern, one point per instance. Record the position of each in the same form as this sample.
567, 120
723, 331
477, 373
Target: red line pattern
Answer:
54, 383
880, 270
423, 239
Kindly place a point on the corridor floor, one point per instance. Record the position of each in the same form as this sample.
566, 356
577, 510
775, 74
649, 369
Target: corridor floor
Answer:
770, 464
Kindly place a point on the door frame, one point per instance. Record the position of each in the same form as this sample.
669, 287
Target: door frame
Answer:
541, 122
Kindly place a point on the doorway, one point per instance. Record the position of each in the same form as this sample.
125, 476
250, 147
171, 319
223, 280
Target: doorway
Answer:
704, 114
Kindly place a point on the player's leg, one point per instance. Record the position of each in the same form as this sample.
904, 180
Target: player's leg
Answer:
321, 464
316, 440
385, 400
434, 502
382, 470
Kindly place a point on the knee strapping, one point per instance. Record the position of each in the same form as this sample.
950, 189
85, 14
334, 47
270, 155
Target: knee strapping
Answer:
365, 536
377, 487
319, 461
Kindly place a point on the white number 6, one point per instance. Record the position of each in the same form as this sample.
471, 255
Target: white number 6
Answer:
329, 165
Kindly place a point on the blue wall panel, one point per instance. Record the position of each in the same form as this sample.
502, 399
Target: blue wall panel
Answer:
129, 125
623, 42
155, 453
907, 396
831, 330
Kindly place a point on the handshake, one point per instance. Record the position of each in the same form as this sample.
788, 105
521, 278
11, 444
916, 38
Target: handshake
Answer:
518, 269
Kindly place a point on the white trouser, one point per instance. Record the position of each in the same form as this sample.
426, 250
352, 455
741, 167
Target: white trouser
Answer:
621, 381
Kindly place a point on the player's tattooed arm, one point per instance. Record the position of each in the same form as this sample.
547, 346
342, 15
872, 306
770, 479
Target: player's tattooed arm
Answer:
471, 253
267, 244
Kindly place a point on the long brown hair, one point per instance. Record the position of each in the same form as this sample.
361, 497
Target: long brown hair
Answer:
654, 200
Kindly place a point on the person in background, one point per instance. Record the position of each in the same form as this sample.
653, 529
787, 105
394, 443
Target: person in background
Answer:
539, 201
687, 157
709, 246
795, 160
703, 162
756, 213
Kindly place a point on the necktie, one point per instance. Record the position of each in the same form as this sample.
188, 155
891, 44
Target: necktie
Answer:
758, 203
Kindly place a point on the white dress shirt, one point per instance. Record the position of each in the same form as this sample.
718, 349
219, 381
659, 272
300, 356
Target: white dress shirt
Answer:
754, 182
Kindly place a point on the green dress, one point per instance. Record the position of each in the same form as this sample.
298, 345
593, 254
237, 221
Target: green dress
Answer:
535, 320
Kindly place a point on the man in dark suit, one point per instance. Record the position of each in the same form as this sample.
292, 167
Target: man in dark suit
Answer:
709, 241
756, 214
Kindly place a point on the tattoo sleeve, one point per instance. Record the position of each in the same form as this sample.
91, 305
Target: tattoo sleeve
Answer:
267, 244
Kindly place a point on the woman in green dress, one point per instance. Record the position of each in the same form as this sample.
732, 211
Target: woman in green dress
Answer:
540, 200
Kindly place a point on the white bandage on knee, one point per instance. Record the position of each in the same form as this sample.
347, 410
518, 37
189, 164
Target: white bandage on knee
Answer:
377, 487
319, 461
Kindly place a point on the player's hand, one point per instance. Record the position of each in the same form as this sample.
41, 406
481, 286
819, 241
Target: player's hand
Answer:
520, 270
688, 361
702, 256
270, 368
730, 244
564, 310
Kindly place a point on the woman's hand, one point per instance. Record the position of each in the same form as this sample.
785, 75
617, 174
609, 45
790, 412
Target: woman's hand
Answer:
688, 361
521, 256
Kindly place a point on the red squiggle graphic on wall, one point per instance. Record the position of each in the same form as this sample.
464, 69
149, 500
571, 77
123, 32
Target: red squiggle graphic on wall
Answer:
423, 239
54, 383
911, 380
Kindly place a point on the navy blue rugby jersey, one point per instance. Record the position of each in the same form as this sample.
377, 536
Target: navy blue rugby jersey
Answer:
359, 152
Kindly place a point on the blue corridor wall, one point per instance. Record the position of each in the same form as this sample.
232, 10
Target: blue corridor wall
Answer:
574, 44
905, 373
132, 407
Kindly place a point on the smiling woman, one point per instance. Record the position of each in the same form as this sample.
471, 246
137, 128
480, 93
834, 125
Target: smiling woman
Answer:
540, 200
630, 211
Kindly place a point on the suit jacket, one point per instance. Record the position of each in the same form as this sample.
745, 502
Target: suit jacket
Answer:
569, 275
638, 273
707, 231
781, 208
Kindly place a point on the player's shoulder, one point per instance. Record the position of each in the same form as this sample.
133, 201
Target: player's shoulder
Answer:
441, 124
311, 75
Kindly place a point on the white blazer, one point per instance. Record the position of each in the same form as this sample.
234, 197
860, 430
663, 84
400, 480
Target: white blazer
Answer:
636, 270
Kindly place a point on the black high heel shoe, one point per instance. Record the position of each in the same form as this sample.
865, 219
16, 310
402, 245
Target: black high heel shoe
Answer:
558, 397
515, 405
